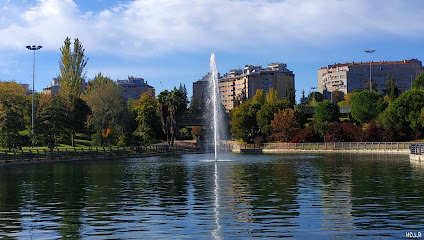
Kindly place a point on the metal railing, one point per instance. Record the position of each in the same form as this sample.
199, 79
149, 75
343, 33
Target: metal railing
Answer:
392, 146
417, 149
55, 154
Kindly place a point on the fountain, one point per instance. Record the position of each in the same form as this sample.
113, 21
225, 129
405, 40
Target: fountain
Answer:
214, 98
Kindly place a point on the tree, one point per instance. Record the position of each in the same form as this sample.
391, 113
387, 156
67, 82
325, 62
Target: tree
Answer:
348, 99
284, 125
307, 135
342, 132
240, 98
390, 89
291, 95
315, 95
266, 114
243, 121
172, 105
71, 78
12, 114
366, 106
418, 83
196, 131
78, 112
52, 120
147, 117
407, 111
259, 97
271, 96
71, 65
195, 107
337, 95
109, 119
303, 100
325, 112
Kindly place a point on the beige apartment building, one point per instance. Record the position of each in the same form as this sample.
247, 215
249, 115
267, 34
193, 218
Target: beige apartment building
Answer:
247, 81
356, 75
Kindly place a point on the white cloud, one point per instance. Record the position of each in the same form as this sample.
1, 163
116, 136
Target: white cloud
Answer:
148, 27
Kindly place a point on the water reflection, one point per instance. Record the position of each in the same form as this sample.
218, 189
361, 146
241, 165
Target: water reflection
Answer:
217, 232
301, 196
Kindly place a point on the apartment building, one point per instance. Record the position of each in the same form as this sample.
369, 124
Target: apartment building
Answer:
53, 89
135, 87
350, 76
200, 90
246, 81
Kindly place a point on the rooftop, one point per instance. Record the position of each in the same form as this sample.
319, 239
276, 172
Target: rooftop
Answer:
413, 60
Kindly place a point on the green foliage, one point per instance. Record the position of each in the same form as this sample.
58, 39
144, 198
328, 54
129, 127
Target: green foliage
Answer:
325, 112
266, 114
243, 121
195, 106
291, 95
390, 89
407, 110
172, 105
418, 83
259, 96
271, 96
71, 65
99, 80
78, 112
110, 118
315, 95
52, 120
147, 117
303, 100
366, 106
12, 114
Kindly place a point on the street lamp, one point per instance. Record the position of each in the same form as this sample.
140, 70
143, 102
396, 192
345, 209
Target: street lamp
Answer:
162, 85
33, 48
370, 51
313, 91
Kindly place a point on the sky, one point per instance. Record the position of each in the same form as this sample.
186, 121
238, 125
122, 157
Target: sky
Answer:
168, 42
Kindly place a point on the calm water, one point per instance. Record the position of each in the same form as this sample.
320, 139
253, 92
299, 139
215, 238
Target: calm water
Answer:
303, 196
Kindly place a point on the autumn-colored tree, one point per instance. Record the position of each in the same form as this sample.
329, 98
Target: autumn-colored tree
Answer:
108, 110
271, 95
259, 97
343, 132
196, 131
307, 134
284, 125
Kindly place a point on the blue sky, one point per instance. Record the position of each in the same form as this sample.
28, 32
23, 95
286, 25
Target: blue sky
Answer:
170, 41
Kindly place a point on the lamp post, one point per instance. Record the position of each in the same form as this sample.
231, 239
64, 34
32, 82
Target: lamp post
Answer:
313, 90
370, 51
162, 85
33, 48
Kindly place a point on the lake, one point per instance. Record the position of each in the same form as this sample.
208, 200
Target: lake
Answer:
301, 196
